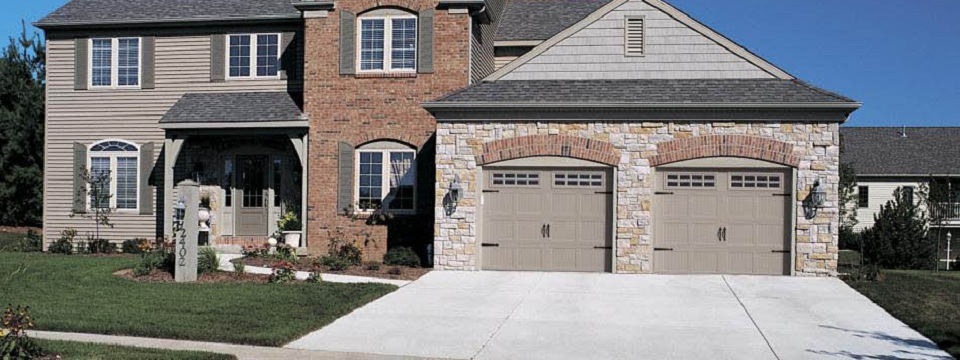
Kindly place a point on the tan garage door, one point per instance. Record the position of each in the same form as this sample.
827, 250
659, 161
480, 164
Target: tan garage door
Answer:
546, 220
722, 222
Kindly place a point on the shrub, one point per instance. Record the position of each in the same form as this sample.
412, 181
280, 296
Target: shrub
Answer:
101, 246
373, 266
31, 242
207, 260
335, 263
238, 266
898, 239
161, 258
254, 251
283, 273
401, 256
315, 277
350, 253
396, 270
135, 246
14, 344
64, 245
287, 253
849, 239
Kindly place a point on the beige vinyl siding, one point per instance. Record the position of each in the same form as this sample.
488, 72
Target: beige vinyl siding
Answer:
482, 36
672, 50
503, 55
879, 193
182, 65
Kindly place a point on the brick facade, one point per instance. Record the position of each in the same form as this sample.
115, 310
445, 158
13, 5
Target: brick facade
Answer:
726, 145
358, 109
549, 145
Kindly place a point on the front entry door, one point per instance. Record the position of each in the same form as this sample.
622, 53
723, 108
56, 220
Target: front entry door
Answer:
252, 195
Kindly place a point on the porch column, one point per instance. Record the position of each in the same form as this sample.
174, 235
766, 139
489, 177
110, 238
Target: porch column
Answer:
301, 145
171, 149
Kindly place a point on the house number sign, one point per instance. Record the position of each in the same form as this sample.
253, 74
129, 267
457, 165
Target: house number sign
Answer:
187, 232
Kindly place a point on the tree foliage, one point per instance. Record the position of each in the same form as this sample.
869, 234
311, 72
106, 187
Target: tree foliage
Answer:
848, 206
22, 84
898, 239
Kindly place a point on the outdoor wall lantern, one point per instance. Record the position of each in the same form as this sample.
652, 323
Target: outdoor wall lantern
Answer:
814, 201
179, 213
453, 196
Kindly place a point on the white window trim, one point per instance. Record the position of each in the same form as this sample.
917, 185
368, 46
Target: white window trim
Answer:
254, 57
387, 43
114, 64
113, 155
385, 169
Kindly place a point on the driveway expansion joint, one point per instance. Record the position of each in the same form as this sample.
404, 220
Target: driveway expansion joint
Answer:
505, 319
752, 320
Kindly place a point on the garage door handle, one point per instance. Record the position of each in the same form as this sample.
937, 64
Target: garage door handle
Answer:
543, 231
548, 230
489, 245
724, 234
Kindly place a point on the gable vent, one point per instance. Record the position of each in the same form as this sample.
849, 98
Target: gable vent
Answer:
634, 36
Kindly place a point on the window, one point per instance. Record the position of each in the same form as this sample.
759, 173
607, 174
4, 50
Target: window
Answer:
253, 56
578, 180
118, 163
675, 181
386, 179
908, 193
633, 36
516, 179
115, 62
755, 181
388, 41
863, 196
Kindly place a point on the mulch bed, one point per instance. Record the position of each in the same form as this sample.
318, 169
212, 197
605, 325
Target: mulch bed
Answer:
309, 264
158, 276
18, 229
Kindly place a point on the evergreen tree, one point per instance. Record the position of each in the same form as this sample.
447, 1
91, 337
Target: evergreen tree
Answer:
22, 85
898, 239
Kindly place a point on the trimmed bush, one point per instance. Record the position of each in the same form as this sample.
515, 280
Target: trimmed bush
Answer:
898, 238
101, 246
401, 256
134, 246
63, 245
335, 263
208, 261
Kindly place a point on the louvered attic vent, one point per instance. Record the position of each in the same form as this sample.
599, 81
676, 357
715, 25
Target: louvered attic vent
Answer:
634, 36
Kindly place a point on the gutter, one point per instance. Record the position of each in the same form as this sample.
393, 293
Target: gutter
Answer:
927, 176
163, 22
467, 106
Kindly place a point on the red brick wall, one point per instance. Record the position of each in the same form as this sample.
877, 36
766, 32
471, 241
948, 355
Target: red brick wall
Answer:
359, 109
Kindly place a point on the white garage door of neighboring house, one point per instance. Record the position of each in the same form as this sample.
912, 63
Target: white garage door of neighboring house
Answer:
722, 221
547, 219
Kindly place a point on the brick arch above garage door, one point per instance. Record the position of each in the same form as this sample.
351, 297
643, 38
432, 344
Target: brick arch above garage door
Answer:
549, 145
744, 146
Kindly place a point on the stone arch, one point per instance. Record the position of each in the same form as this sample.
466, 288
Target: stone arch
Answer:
549, 145
744, 146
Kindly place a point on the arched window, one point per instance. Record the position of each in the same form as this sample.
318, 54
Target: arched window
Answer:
388, 41
114, 178
386, 177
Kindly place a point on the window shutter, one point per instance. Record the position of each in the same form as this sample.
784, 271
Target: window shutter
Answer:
81, 63
79, 186
290, 50
218, 53
146, 168
148, 62
634, 36
425, 43
348, 46
345, 178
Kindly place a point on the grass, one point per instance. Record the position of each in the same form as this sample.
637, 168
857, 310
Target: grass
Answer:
77, 350
79, 294
9, 240
926, 301
849, 258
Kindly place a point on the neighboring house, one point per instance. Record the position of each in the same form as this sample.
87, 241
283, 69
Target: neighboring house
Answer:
913, 158
552, 135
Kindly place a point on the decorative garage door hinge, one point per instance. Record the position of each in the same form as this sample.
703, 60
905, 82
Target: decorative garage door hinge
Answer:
604, 247
780, 251
489, 245
491, 191
663, 193
662, 249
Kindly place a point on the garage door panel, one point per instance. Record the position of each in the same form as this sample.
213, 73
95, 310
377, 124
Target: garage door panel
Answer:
502, 231
772, 263
528, 231
593, 234
671, 262
499, 258
529, 204
742, 234
564, 231
740, 262
703, 233
530, 258
704, 262
704, 206
672, 234
564, 259
741, 208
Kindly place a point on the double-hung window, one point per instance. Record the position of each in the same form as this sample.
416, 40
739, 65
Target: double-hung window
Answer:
115, 62
386, 179
114, 166
253, 56
388, 42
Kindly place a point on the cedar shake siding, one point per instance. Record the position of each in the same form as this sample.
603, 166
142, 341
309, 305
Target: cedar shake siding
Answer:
182, 64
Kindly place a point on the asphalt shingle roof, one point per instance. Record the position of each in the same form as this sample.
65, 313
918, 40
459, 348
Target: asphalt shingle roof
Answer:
541, 19
884, 151
233, 107
131, 11
648, 91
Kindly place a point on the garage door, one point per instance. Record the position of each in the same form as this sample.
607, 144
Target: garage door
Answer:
546, 220
722, 222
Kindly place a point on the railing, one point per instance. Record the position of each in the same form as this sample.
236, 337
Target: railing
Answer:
946, 211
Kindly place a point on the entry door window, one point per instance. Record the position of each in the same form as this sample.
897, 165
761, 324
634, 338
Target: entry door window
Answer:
253, 181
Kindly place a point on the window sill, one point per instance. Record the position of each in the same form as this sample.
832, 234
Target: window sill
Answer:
376, 75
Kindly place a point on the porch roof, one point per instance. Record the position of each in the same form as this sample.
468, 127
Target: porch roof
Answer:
235, 110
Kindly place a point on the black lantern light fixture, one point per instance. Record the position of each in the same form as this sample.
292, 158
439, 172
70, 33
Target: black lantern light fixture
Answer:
179, 213
453, 196
815, 200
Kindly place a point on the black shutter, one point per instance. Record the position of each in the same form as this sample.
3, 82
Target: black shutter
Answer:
345, 177
289, 59
425, 43
348, 44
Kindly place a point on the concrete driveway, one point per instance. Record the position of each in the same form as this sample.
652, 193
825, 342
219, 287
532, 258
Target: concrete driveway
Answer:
509, 315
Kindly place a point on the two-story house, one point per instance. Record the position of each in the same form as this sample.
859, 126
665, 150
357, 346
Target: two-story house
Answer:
553, 135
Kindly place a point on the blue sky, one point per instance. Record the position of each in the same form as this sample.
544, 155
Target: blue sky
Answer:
900, 58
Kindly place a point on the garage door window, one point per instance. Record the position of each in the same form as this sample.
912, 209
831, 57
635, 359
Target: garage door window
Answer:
510, 179
578, 180
687, 181
755, 181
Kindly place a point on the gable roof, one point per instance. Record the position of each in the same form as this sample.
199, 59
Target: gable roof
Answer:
680, 16
645, 93
884, 151
540, 19
243, 107
106, 12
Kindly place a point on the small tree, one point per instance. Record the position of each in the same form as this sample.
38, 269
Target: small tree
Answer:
848, 206
99, 197
898, 239
940, 199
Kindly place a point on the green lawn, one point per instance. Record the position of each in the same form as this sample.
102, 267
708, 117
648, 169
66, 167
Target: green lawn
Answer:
76, 350
9, 240
79, 294
928, 302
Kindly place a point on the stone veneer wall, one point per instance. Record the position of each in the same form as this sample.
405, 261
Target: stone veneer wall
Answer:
457, 238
